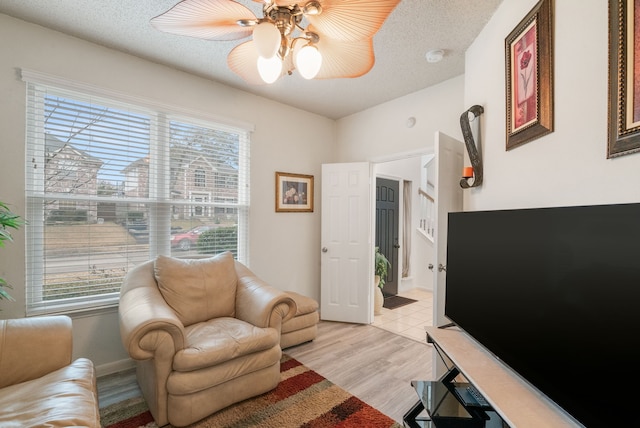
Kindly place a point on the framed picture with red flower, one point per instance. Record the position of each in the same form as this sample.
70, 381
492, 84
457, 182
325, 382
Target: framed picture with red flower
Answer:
529, 76
294, 192
624, 78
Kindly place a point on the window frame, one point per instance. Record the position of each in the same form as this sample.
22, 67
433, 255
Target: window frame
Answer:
159, 200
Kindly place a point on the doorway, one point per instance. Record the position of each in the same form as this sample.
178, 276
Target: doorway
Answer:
413, 252
387, 229
413, 278
350, 291
426, 171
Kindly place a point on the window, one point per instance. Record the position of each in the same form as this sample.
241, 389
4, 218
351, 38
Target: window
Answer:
199, 178
110, 185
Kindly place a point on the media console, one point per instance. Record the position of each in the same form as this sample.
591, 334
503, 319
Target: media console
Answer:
511, 402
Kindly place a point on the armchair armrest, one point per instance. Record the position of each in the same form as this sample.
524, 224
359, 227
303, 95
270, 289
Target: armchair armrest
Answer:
259, 303
33, 347
148, 325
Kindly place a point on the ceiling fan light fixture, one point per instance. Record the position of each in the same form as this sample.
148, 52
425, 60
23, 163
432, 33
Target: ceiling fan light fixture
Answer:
308, 61
269, 69
322, 39
312, 8
266, 38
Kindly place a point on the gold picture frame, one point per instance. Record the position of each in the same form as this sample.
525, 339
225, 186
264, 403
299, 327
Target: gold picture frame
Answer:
529, 76
624, 79
294, 192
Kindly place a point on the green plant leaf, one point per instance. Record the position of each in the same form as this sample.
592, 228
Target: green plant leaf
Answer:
381, 266
8, 220
4, 295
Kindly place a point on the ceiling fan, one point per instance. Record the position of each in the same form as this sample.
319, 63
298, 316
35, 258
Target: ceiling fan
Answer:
322, 39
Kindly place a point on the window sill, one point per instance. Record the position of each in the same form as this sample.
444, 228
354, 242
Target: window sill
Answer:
76, 311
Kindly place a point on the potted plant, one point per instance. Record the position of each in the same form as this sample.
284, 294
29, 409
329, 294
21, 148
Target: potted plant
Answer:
380, 268
8, 220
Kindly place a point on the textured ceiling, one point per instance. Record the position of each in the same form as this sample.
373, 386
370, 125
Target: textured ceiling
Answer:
412, 29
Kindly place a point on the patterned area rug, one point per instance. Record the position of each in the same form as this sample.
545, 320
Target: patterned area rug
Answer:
302, 399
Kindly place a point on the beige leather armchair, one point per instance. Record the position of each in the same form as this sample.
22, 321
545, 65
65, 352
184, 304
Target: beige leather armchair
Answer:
40, 385
205, 334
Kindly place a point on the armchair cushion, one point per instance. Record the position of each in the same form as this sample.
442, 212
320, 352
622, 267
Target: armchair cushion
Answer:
198, 289
222, 339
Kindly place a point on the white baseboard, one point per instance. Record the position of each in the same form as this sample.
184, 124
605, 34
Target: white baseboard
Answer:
115, 367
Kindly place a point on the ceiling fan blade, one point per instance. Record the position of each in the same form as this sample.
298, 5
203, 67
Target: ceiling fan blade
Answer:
243, 60
351, 20
345, 58
206, 19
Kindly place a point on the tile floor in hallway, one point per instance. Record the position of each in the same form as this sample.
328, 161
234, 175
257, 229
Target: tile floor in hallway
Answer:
409, 320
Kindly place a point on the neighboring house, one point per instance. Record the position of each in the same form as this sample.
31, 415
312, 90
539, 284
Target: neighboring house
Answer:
196, 180
136, 179
69, 171
193, 181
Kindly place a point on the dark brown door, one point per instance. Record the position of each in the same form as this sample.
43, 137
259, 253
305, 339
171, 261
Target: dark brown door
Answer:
387, 217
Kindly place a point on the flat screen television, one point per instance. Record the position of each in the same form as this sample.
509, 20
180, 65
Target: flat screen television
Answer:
554, 293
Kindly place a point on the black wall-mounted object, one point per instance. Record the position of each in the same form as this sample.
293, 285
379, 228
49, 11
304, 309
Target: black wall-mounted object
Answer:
472, 149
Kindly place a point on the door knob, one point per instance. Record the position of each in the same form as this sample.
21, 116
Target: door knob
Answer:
441, 267
430, 266
324, 249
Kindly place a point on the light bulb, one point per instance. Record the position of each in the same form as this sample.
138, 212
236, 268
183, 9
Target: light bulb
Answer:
269, 68
266, 38
308, 61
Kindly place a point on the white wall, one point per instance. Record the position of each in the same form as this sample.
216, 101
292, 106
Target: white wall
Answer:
381, 131
284, 247
568, 166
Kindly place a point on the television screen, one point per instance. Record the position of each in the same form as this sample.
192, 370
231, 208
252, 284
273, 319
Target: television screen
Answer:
555, 294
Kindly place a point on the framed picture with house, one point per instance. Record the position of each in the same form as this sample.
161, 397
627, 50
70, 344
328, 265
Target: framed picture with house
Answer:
529, 76
294, 192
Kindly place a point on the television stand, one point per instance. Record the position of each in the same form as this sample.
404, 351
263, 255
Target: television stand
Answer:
496, 382
447, 407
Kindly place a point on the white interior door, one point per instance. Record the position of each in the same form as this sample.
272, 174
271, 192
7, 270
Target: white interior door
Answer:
448, 195
347, 250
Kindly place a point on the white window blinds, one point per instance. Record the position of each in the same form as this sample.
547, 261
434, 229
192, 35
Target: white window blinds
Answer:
111, 184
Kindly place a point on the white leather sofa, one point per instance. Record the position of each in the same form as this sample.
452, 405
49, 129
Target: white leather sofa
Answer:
40, 386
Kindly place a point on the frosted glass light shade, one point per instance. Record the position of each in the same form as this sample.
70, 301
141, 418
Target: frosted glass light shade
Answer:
308, 61
435, 55
267, 39
269, 68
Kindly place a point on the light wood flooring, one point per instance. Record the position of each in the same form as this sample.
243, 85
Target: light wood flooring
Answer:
117, 387
373, 364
